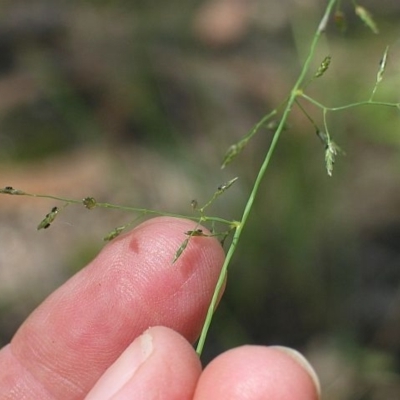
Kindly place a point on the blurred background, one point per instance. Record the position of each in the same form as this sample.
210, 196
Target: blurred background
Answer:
136, 103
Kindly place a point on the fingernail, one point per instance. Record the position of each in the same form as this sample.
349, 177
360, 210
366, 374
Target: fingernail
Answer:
123, 369
300, 359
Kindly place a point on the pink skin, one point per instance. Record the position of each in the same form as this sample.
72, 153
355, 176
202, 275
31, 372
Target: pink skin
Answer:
91, 329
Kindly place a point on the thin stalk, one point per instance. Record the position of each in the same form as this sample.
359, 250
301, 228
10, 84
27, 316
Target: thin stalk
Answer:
249, 205
142, 211
351, 105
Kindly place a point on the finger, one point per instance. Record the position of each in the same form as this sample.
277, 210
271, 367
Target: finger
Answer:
257, 372
70, 340
158, 361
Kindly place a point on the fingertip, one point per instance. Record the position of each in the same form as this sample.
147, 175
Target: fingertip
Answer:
193, 275
158, 361
256, 372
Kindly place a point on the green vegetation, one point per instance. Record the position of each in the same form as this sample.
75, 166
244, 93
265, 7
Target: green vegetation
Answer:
300, 206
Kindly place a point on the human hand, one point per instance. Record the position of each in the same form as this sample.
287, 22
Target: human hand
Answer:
91, 330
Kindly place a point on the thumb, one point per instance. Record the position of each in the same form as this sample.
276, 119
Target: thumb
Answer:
143, 370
